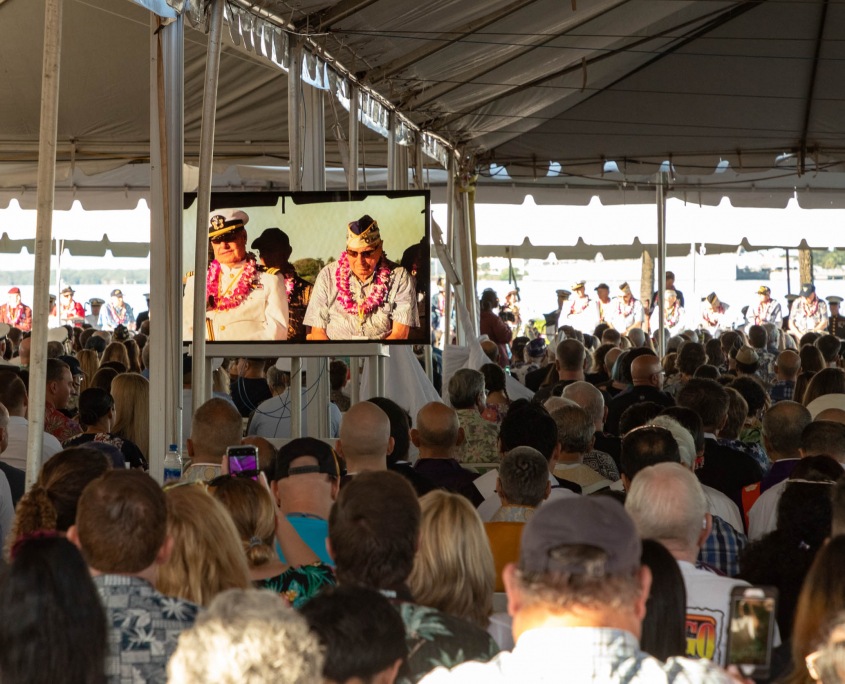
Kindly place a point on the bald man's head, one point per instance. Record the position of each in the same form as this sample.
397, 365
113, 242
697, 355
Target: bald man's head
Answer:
589, 398
438, 428
365, 437
646, 370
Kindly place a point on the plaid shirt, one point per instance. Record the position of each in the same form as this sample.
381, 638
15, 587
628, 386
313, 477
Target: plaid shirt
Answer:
579, 654
722, 548
782, 391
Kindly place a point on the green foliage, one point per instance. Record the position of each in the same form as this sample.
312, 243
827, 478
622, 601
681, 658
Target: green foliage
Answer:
307, 269
829, 260
504, 274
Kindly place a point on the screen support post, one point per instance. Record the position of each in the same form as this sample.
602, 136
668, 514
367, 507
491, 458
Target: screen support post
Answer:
376, 352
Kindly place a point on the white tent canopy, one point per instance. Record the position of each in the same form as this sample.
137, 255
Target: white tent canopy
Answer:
580, 232
549, 92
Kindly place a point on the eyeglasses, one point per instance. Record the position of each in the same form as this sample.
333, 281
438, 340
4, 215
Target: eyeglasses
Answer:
366, 254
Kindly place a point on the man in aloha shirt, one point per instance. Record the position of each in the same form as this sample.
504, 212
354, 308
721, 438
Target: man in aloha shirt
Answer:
59, 388
71, 311
766, 311
627, 312
16, 314
244, 301
116, 313
673, 319
809, 313
121, 529
580, 312
604, 303
714, 315
468, 398
362, 294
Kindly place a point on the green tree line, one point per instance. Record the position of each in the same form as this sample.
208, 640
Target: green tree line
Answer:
82, 277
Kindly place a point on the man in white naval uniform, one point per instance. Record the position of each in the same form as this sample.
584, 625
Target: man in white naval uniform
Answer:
244, 301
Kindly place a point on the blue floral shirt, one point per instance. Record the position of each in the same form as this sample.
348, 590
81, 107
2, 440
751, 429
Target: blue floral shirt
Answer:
144, 627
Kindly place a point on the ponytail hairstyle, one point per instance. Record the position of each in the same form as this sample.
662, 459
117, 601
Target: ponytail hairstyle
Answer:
50, 505
253, 511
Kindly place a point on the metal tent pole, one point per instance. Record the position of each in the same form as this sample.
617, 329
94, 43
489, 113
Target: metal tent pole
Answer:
44, 235
200, 385
166, 158
661, 253
295, 183
450, 245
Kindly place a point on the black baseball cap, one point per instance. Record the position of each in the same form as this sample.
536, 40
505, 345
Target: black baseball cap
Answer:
326, 459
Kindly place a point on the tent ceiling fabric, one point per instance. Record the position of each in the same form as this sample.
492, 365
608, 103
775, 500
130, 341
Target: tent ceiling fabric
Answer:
104, 118
753, 84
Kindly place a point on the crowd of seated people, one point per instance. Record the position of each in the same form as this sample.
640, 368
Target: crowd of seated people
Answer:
594, 531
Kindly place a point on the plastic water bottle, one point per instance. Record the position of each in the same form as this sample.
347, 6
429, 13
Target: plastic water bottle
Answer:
172, 464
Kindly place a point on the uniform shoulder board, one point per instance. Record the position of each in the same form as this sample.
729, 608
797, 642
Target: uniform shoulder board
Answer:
189, 274
272, 270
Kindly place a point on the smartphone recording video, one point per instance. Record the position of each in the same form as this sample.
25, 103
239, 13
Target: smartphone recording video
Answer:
752, 629
243, 461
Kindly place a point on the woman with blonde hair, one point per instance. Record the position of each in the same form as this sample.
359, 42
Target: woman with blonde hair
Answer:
254, 513
89, 362
133, 353
131, 393
453, 569
207, 557
116, 351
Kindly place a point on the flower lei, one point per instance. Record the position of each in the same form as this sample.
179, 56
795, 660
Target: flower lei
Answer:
718, 312
18, 316
247, 282
289, 277
582, 305
813, 309
116, 315
762, 314
376, 296
626, 309
673, 315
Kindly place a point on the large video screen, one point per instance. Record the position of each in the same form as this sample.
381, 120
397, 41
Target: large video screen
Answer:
312, 267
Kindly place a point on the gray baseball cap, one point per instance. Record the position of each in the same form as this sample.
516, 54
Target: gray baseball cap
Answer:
598, 521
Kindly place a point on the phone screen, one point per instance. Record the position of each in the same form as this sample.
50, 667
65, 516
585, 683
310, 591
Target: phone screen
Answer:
752, 629
243, 459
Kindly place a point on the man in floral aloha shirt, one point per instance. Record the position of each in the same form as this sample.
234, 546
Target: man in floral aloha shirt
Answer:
121, 529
